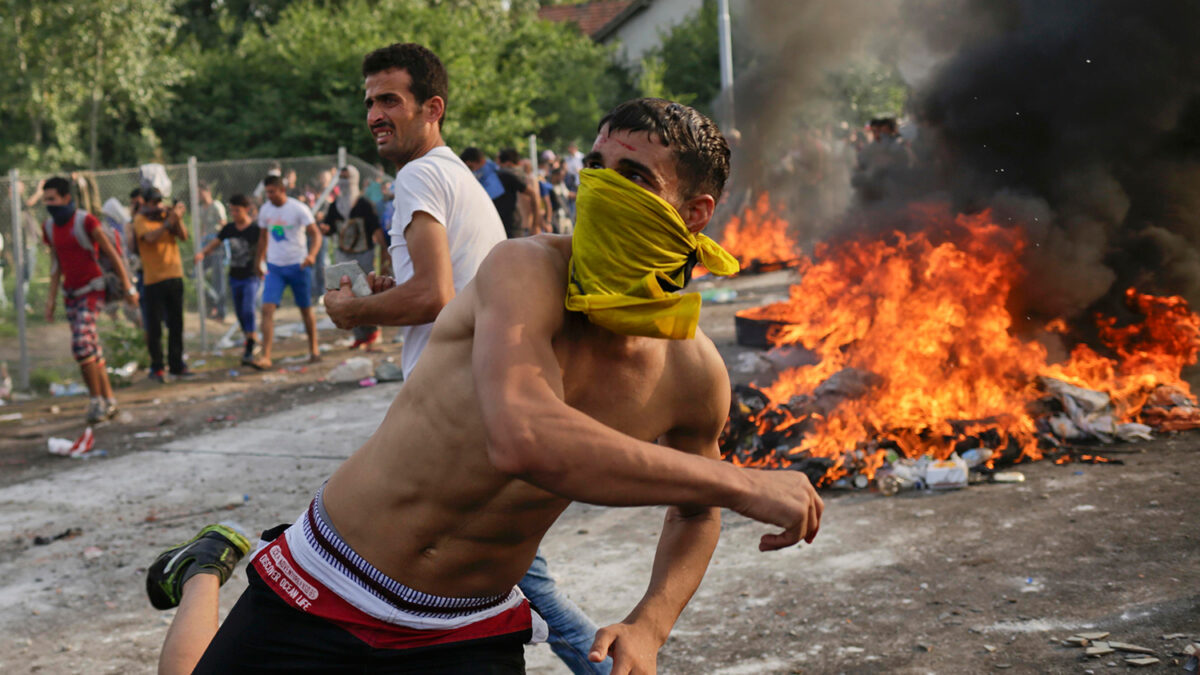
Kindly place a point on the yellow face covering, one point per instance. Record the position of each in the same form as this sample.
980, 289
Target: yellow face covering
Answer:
629, 251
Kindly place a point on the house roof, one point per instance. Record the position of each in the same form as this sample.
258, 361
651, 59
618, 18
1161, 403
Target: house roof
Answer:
595, 19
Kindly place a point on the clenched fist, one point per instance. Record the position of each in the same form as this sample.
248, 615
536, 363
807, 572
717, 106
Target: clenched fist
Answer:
786, 499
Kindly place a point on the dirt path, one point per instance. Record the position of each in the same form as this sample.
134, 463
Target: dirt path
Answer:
985, 579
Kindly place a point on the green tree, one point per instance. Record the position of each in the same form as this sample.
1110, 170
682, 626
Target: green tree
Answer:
296, 86
82, 78
686, 66
864, 88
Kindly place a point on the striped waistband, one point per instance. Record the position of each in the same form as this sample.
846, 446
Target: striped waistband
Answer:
323, 538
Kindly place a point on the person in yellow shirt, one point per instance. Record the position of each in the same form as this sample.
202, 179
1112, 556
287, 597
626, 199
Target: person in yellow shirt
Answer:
159, 231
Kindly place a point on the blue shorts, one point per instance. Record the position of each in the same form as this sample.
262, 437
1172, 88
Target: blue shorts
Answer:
298, 278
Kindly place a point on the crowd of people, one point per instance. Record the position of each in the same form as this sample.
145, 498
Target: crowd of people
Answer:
529, 199
336, 215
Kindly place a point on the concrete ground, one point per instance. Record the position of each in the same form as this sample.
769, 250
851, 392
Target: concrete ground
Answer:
988, 578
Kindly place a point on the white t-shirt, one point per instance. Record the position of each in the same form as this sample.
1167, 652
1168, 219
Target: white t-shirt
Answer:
440, 184
285, 228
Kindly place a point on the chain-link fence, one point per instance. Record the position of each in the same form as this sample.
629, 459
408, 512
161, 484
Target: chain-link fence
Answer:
25, 261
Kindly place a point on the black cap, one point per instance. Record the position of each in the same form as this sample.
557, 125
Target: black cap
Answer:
152, 194
137, 192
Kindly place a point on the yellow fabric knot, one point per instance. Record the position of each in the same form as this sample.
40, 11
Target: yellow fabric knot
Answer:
630, 252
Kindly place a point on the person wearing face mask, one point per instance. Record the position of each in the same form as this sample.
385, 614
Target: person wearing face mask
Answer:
158, 231
353, 220
76, 240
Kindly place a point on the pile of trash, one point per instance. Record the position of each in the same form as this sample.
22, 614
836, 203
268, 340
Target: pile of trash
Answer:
1071, 421
1098, 645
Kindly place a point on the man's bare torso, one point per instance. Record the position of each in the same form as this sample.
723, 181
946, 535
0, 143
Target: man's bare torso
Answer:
422, 501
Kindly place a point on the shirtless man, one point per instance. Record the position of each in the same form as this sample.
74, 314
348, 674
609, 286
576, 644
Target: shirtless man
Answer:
409, 555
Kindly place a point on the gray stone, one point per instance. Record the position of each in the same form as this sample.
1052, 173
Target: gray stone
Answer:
1126, 647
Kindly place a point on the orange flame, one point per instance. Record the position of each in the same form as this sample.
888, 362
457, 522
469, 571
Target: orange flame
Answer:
759, 235
926, 314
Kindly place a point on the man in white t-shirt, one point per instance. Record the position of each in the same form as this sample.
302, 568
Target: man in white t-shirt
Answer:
293, 241
443, 223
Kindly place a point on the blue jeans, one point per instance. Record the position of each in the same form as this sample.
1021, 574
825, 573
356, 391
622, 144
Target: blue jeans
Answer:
571, 631
245, 292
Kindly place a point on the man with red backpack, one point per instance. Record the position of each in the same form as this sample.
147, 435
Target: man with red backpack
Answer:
77, 240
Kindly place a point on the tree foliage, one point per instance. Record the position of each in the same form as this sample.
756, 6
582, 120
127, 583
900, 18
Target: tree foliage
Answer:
866, 88
686, 66
84, 79
117, 82
295, 87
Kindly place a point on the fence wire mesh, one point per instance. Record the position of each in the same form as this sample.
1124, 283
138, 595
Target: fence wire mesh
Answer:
92, 189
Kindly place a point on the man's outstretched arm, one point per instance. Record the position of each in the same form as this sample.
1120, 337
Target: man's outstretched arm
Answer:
533, 434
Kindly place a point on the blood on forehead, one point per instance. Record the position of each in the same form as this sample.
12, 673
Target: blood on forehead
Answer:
603, 138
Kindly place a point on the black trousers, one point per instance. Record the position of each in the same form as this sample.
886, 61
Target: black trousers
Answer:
263, 634
164, 301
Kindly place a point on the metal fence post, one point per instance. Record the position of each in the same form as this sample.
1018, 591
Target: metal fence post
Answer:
18, 237
533, 158
197, 234
725, 51
341, 157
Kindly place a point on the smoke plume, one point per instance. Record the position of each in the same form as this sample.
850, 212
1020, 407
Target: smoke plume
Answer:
1078, 120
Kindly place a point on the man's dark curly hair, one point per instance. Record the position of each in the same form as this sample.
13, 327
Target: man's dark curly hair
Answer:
700, 149
428, 75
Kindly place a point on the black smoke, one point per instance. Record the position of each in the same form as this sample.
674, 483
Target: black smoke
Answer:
1078, 120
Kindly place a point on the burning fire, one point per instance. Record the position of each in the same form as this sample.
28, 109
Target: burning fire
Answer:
759, 236
916, 326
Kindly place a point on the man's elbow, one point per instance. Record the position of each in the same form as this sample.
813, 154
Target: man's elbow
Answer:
509, 448
436, 299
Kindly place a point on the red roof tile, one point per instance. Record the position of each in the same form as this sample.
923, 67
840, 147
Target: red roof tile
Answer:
589, 16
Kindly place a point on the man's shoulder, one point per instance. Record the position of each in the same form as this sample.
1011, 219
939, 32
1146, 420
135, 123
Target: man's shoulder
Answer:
539, 258
437, 160
698, 368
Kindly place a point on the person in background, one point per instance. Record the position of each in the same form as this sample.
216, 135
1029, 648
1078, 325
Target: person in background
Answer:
77, 264
549, 161
353, 220
374, 189
212, 218
532, 206
485, 171
292, 183
560, 201
244, 239
287, 225
260, 191
133, 261
573, 163
517, 188
385, 219
318, 270
159, 231
31, 238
